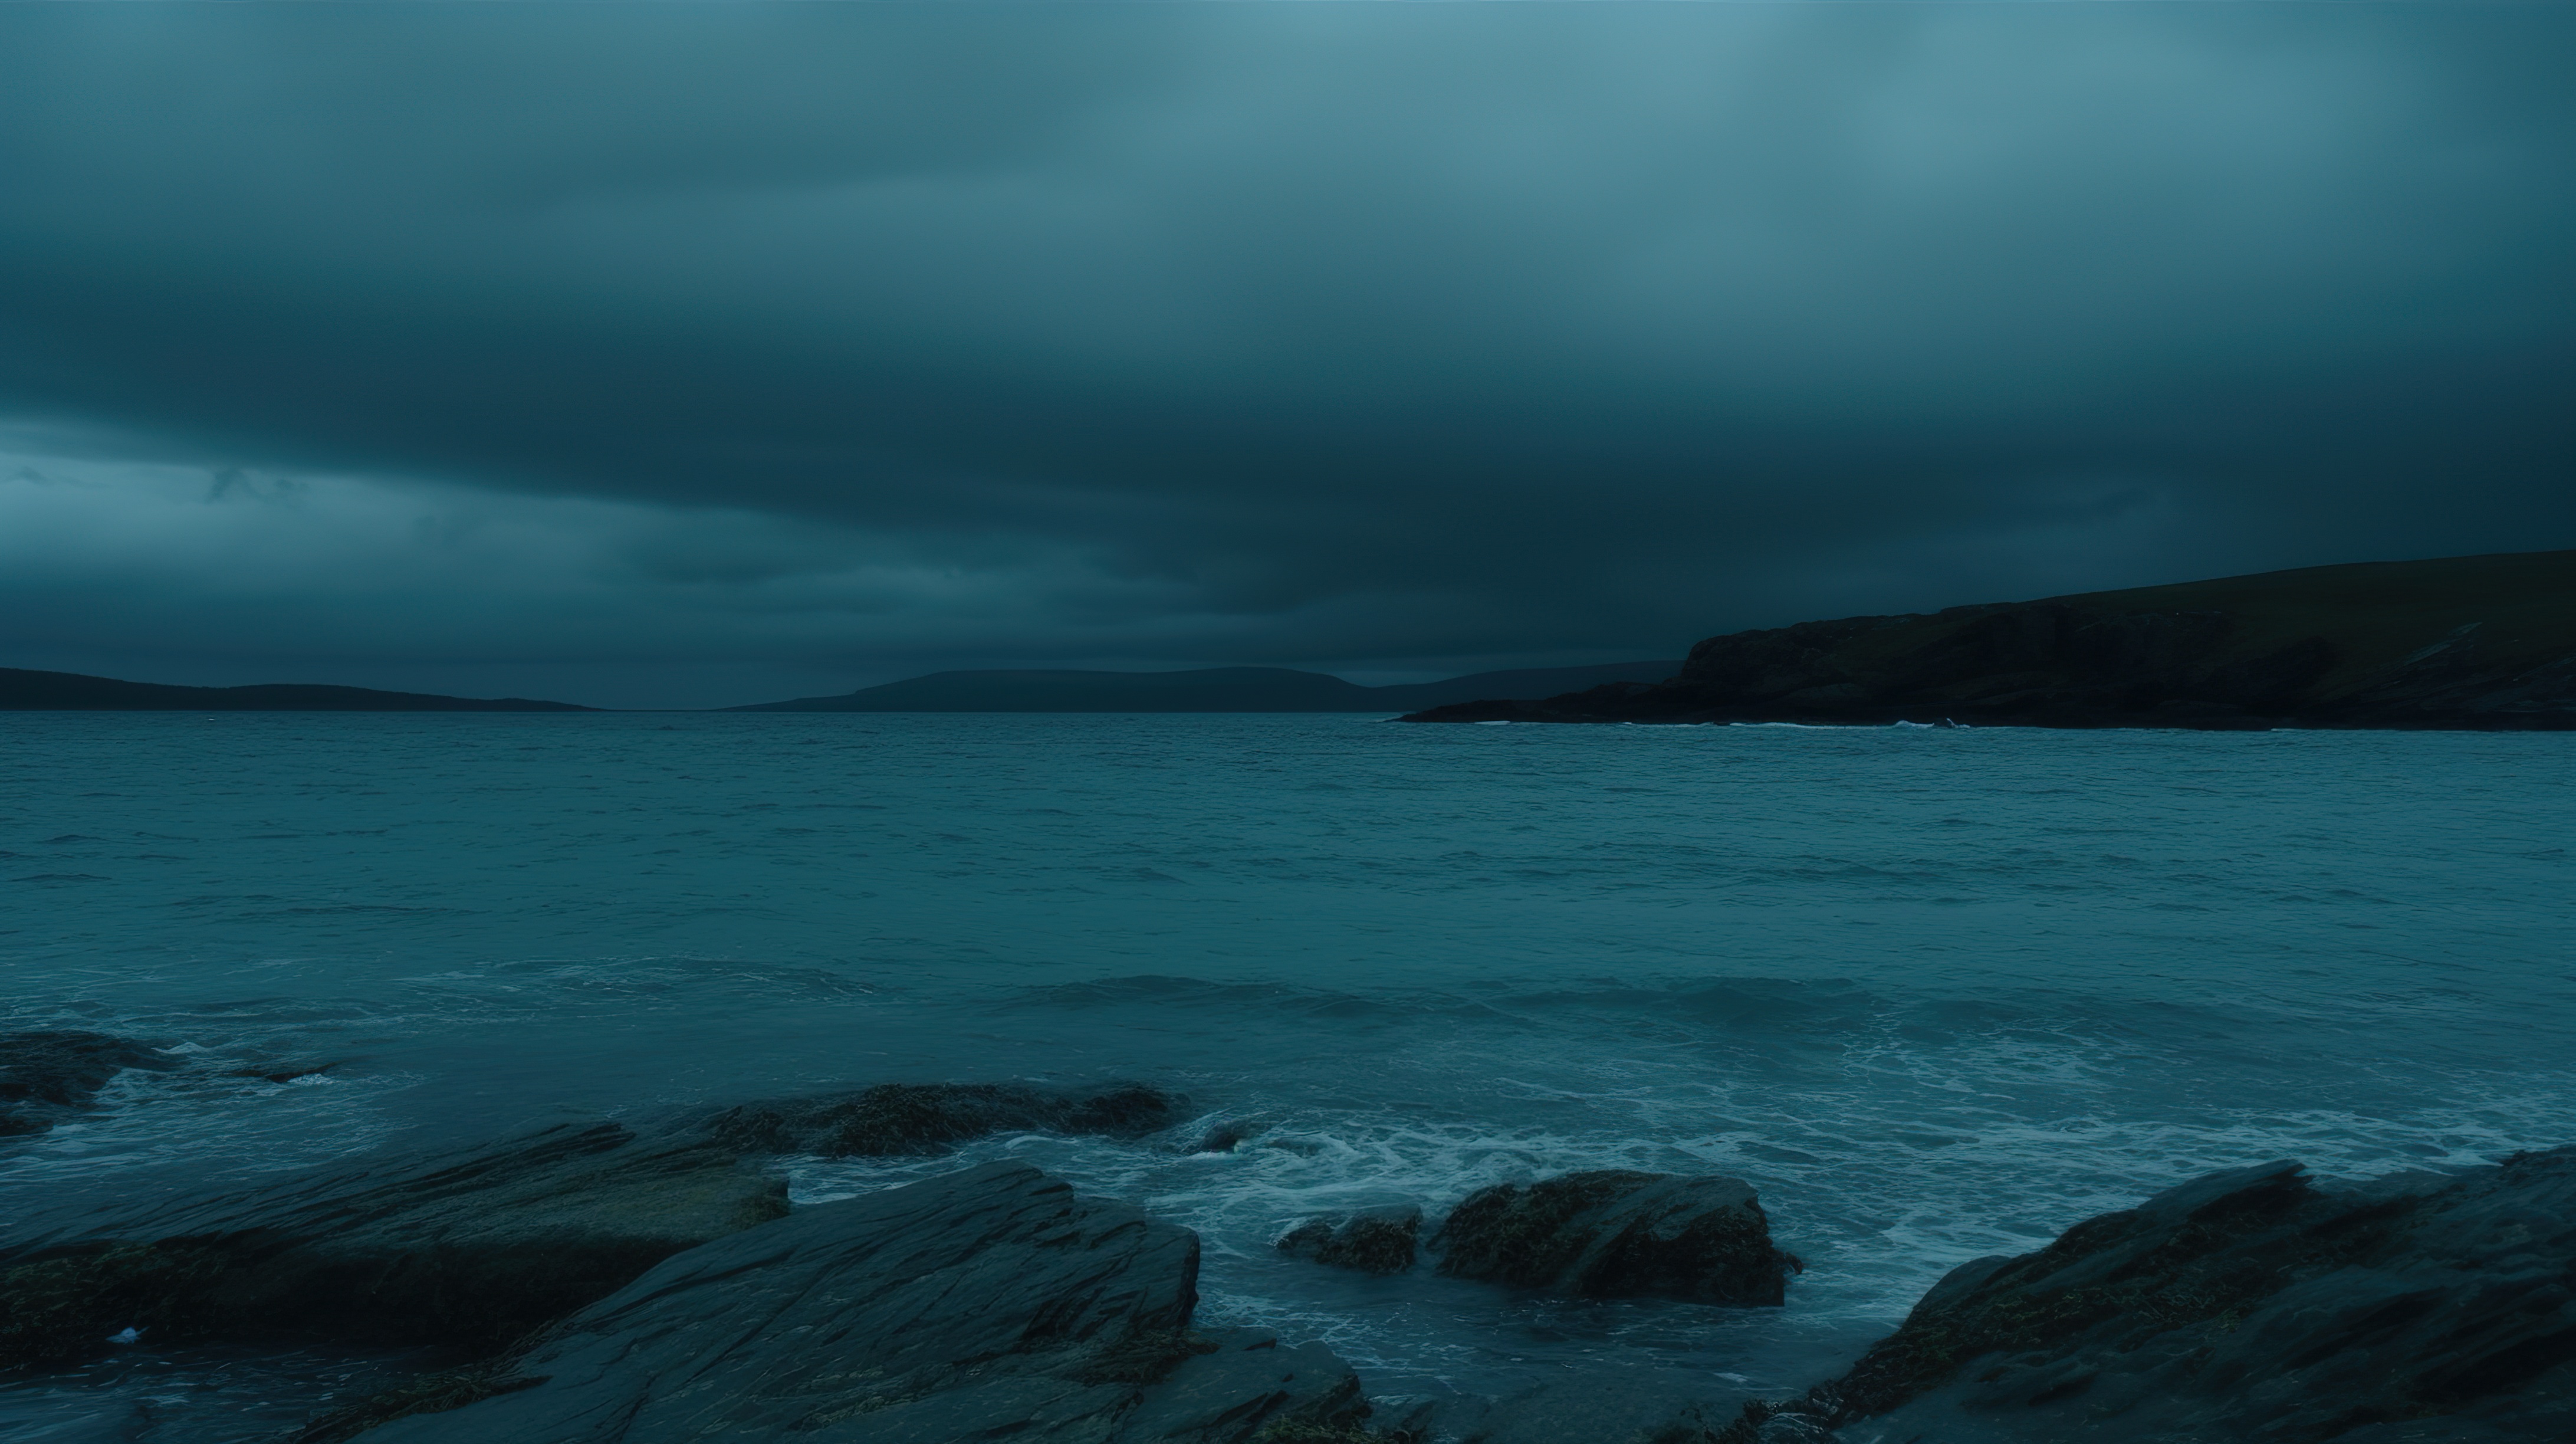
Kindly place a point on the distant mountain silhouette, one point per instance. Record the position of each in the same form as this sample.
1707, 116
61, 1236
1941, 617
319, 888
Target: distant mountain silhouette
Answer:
25, 691
2484, 642
1212, 689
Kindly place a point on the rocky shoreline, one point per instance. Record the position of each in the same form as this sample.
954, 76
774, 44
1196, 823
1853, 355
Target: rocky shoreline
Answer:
615, 1285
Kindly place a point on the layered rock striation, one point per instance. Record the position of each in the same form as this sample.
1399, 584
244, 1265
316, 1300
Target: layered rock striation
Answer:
613, 1288
2467, 642
2244, 1306
468, 1249
990, 1303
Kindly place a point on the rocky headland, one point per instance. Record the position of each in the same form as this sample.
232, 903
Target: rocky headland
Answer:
611, 1284
2482, 643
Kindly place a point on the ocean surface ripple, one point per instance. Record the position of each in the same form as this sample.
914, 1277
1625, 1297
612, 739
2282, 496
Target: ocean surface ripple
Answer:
1937, 993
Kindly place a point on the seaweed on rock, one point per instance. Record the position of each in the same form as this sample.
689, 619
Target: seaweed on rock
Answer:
62, 1307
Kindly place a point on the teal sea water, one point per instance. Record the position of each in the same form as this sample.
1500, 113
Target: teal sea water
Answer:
1937, 994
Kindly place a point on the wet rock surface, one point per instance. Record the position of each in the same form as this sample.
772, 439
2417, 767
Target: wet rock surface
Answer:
1373, 1241
1616, 1233
1608, 1405
469, 1249
1228, 1135
993, 1302
2248, 1305
615, 1289
899, 1119
47, 1075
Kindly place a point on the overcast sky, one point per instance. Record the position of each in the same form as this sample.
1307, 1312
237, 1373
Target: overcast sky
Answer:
675, 355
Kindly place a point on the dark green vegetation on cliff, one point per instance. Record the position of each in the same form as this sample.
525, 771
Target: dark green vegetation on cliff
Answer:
25, 691
2464, 642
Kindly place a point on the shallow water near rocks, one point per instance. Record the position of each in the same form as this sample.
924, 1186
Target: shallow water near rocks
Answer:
1936, 993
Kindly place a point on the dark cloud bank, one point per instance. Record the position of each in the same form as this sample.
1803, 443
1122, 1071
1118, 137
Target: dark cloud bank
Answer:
703, 355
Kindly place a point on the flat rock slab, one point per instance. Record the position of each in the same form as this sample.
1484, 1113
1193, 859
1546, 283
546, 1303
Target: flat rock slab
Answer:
2253, 1305
472, 1248
989, 1303
894, 1120
1616, 1233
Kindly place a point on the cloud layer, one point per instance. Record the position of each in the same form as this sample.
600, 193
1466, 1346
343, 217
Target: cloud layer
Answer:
761, 348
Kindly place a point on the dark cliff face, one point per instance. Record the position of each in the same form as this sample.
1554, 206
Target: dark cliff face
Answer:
2480, 642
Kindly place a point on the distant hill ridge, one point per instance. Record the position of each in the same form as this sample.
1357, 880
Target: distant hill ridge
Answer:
1208, 689
2486, 642
25, 691
1214, 689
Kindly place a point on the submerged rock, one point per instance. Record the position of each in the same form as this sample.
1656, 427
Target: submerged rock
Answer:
987, 1303
1229, 1134
1374, 1241
470, 1248
2249, 1305
290, 1072
897, 1119
45, 1075
1617, 1233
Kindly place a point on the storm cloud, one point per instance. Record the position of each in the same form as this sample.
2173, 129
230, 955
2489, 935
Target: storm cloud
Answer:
707, 354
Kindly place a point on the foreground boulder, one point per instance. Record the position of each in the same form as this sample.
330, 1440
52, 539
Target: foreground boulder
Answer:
2242, 1306
469, 1249
48, 1074
1616, 1233
988, 1303
899, 1119
1373, 1241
